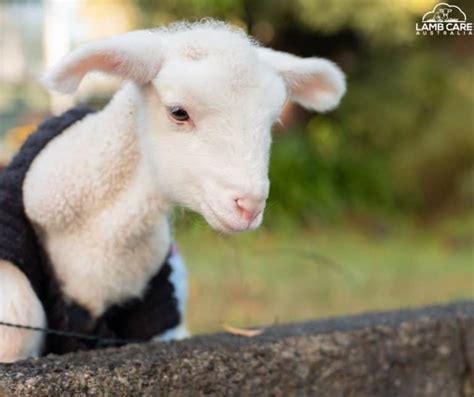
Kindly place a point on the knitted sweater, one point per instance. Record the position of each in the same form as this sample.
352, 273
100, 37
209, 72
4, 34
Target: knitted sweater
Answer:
139, 318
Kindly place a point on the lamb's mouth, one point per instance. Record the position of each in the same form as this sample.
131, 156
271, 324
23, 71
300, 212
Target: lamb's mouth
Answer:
215, 219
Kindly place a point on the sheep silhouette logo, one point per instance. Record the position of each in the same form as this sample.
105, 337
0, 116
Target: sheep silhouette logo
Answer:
445, 13
444, 19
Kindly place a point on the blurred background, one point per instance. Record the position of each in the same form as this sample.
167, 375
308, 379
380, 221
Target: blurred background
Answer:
371, 205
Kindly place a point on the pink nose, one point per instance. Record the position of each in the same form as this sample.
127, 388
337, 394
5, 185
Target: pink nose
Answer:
250, 206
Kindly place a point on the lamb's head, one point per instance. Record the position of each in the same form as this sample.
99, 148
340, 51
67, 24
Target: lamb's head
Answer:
211, 96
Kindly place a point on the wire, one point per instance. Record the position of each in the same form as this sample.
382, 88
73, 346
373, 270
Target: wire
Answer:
68, 334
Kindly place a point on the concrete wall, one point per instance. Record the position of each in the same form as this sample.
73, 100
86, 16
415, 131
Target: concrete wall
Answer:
424, 352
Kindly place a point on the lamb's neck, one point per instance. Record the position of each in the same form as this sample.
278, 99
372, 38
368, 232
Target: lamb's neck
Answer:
122, 176
100, 212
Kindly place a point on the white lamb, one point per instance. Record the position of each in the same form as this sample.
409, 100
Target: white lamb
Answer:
190, 128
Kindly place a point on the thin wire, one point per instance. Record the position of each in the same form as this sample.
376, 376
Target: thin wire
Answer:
69, 334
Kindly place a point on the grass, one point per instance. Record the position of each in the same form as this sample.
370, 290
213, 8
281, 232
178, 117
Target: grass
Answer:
288, 274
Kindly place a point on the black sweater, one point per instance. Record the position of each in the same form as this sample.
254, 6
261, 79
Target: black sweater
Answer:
136, 319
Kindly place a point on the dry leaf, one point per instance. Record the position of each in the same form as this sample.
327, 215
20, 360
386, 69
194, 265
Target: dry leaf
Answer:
249, 333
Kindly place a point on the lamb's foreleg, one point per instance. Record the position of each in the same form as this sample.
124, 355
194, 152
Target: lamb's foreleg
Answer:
19, 305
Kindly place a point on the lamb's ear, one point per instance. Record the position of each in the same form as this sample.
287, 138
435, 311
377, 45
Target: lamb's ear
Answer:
135, 55
314, 83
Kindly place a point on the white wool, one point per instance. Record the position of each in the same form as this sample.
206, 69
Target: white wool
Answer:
99, 194
18, 305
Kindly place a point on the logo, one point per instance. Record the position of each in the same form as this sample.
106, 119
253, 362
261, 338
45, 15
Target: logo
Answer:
446, 20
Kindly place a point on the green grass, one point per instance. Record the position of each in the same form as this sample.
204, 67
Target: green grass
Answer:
270, 276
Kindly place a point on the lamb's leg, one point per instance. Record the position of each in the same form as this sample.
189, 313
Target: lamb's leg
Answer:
20, 305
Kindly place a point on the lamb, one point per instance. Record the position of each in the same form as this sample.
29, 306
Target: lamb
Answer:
92, 191
442, 14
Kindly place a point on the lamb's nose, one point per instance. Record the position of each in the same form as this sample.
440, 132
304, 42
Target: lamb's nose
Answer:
250, 206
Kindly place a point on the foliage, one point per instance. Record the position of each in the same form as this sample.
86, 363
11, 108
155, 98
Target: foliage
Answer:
402, 139
369, 18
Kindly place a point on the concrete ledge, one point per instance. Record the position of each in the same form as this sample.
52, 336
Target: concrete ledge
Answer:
423, 352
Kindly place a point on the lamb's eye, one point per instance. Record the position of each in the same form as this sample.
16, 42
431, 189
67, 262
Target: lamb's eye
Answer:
178, 113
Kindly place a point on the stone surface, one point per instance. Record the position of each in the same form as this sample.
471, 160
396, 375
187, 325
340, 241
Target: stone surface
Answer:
423, 352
